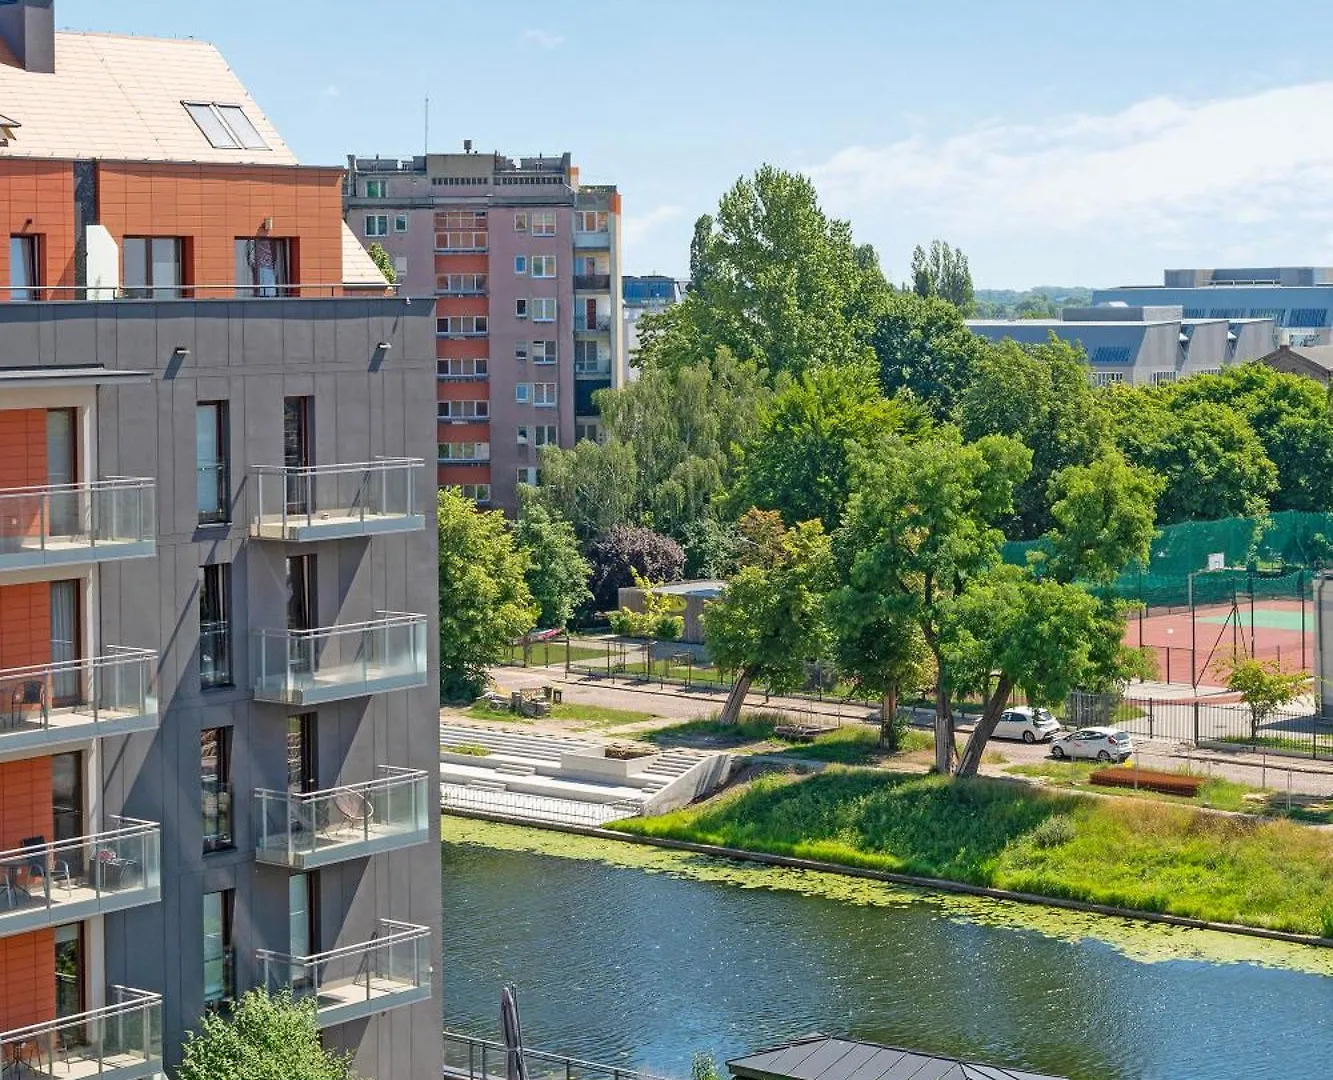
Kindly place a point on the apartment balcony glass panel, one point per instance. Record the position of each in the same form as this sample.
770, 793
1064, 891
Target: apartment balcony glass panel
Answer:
390, 970
48, 705
328, 502
44, 885
585, 325
77, 523
334, 663
120, 1041
305, 831
592, 282
593, 241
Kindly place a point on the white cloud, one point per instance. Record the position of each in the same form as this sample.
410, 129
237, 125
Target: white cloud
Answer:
638, 227
332, 91
1221, 174
543, 39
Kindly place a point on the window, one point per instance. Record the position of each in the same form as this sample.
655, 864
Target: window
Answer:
520, 222
298, 452
215, 626
520, 351
377, 224
543, 266
1307, 317
465, 451
24, 268
1106, 378
479, 493
590, 431
461, 284
543, 394
226, 127
461, 230
400, 223
301, 908
543, 223
69, 970
462, 368
399, 268
301, 594
215, 782
523, 393
212, 462
301, 773
588, 359
462, 326
1161, 378
520, 264
263, 267
543, 309
544, 352
219, 984
377, 189
151, 267
1112, 354
587, 221
545, 435
463, 410
520, 309
527, 474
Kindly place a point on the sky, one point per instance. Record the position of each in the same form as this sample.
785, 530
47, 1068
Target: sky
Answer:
1073, 143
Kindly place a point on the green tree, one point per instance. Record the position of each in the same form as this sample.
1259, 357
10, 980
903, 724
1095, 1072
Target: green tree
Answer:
384, 261
593, 486
1104, 517
925, 349
1264, 687
267, 1038
1036, 306
485, 602
557, 572
1040, 395
770, 618
943, 271
798, 460
775, 280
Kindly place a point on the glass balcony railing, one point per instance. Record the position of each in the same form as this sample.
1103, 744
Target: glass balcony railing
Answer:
585, 325
326, 502
306, 830
73, 523
334, 663
45, 884
390, 970
50, 704
592, 282
120, 1041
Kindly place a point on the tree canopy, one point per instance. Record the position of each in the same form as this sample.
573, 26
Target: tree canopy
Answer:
926, 351
266, 1038
943, 271
557, 573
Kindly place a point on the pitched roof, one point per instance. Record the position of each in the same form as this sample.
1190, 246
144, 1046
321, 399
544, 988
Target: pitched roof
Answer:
820, 1057
121, 98
1319, 355
358, 267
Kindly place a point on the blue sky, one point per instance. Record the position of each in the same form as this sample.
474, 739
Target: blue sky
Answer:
1072, 143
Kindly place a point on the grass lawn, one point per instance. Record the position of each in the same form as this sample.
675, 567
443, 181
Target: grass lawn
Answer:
1132, 853
851, 744
545, 654
1304, 746
597, 715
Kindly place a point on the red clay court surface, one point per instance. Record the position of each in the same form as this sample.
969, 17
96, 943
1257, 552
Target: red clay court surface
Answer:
1220, 631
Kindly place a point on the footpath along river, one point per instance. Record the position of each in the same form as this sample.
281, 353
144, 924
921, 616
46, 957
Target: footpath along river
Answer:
637, 956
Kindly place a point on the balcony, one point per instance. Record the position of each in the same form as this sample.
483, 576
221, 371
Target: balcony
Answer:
592, 282
77, 523
306, 831
50, 705
585, 325
335, 663
593, 240
390, 970
120, 1041
333, 502
44, 885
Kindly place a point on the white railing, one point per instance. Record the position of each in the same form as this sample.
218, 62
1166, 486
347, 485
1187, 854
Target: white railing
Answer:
336, 662
50, 699
336, 499
67, 522
124, 1037
522, 805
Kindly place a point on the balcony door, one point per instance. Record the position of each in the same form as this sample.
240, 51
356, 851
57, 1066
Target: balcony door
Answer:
296, 452
62, 470
69, 972
301, 753
66, 638
301, 612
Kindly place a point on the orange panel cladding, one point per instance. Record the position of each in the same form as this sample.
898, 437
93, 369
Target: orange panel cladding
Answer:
450, 475
37, 199
472, 262
22, 464
25, 802
25, 628
28, 989
454, 348
461, 305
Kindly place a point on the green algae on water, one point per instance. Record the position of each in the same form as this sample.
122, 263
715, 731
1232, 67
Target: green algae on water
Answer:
1137, 940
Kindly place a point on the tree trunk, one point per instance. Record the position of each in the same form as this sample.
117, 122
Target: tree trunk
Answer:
888, 716
731, 711
944, 744
990, 716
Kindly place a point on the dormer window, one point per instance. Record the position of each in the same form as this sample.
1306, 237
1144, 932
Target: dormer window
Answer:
226, 127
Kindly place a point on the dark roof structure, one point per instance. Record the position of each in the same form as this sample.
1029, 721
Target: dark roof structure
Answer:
821, 1057
1312, 361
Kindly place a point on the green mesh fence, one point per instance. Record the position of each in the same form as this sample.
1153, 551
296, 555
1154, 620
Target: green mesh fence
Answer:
1272, 558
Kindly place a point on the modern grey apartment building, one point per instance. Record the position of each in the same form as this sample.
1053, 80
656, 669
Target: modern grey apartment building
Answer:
1142, 344
218, 669
521, 260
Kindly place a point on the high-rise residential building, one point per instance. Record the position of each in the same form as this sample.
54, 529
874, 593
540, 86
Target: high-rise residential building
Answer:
522, 262
218, 699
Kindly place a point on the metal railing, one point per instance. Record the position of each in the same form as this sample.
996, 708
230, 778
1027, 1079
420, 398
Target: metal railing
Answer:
529, 807
61, 522
334, 662
584, 324
592, 282
125, 1036
54, 697
396, 961
83, 871
484, 1059
293, 826
360, 494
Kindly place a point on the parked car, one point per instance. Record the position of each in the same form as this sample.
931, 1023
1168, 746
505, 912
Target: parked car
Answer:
1030, 725
1099, 743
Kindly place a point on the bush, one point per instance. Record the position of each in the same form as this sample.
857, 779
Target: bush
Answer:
1053, 832
656, 620
624, 550
670, 628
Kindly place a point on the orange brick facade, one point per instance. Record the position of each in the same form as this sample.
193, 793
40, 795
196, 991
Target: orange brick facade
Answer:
37, 199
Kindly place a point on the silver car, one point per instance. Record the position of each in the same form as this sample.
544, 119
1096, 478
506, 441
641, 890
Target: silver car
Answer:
1095, 743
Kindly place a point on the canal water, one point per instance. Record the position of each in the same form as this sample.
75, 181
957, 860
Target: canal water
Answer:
641, 957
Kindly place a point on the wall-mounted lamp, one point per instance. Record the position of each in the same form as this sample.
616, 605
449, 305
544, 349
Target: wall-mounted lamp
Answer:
180, 352
384, 346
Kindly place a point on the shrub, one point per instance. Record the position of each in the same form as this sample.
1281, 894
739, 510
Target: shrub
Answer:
1053, 832
470, 749
670, 627
624, 550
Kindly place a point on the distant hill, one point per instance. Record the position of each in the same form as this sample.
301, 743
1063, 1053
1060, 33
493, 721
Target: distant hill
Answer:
1042, 301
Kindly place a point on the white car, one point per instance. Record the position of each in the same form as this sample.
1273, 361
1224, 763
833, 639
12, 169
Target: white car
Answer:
1099, 743
1030, 725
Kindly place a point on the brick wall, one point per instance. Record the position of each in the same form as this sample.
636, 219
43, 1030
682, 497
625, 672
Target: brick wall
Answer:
28, 989
37, 198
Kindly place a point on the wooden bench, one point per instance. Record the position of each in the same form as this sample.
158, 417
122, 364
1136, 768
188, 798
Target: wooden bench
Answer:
1165, 783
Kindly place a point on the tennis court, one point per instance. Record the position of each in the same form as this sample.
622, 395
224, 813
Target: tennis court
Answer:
1205, 641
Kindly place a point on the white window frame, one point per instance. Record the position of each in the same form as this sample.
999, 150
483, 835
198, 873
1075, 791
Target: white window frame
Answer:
543, 309
544, 356
520, 352
545, 395
377, 189
520, 264
523, 393
400, 218
601, 222
521, 221
543, 266
543, 223
382, 220
524, 437
546, 435
1164, 377
521, 307
526, 474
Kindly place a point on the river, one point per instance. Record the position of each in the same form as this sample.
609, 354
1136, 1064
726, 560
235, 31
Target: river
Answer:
640, 957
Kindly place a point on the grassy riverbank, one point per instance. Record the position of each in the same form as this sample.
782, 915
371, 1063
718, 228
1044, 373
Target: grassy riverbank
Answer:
1127, 853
